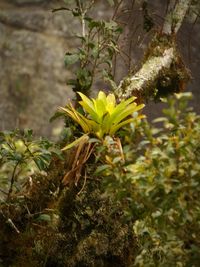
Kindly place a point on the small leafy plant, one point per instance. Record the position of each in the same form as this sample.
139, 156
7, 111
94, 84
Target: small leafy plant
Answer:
20, 158
93, 60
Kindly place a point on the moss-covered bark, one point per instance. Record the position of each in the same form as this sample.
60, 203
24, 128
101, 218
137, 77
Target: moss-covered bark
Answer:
163, 71
87, 228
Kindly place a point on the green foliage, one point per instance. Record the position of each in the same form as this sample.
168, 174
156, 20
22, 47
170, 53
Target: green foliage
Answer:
168, 176
20, 157
160, 181
98, 47
102, 115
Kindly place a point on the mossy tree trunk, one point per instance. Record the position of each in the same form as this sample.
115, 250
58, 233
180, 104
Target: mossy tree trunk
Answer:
163, 70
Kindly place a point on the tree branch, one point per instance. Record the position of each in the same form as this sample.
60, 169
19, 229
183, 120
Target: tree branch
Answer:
163, 61
175, 16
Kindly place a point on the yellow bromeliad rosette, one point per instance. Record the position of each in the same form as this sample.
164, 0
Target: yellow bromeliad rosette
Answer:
103, 116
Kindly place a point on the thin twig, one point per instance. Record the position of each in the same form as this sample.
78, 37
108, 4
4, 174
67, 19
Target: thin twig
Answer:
85, 178
116, 9
4, 192
60, 8
12, 180
11, 223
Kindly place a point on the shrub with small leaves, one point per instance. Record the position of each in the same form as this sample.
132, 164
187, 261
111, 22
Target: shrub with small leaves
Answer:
20, 157
160, 180
99, 46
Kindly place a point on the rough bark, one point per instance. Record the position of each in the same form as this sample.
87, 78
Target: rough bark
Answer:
175, 16
162, 57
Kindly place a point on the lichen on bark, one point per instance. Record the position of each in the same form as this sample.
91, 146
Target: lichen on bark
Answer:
163, 72
163, 57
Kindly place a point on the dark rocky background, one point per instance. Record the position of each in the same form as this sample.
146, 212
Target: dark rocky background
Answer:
33, 42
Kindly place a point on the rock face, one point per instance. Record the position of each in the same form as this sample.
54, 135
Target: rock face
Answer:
21, 2
32, 74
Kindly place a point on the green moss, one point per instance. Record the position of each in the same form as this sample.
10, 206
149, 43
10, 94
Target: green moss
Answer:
92, 230
17, 239
158, 45
170, 80
89, 229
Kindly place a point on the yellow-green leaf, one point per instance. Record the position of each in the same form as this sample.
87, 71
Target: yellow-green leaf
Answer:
84, 138
115, 128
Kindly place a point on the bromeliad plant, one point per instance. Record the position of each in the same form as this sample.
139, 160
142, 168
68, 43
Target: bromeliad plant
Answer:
102, 117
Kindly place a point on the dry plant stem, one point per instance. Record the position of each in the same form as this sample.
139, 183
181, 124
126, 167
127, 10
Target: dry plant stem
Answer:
4, 192
82, 17
83, 14
80, 157
85, 178
116, 9
150, 71
12, 180
11, 223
